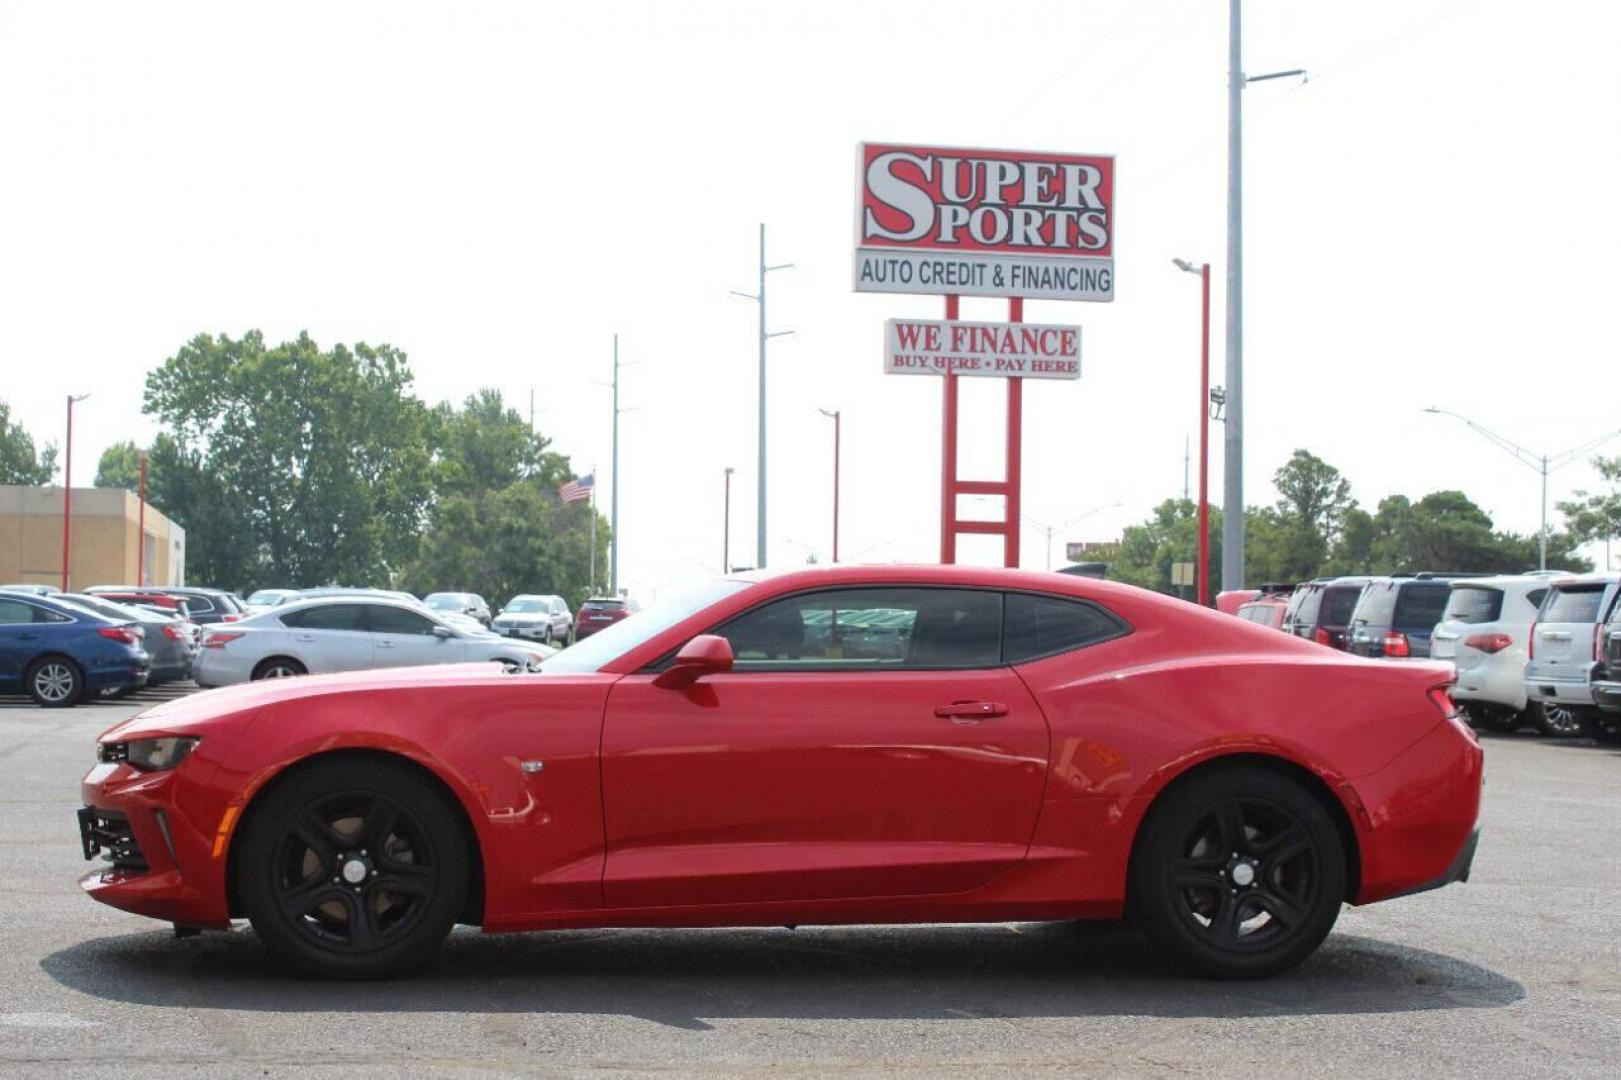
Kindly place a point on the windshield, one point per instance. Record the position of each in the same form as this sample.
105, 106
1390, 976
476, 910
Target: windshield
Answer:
527, 607
268, 597
616, 640
447, 601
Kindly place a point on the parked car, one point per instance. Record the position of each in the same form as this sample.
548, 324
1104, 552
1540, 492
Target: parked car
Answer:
1030, 743
37, 590
541, 617
601, 612
1484, 631
205, 607
465, 603
1320, 610
1230, 600
265, 599
166, 639
344, 634
59, 653
1604, 723
345, 590
1566, 644
1266, 610
1395, 616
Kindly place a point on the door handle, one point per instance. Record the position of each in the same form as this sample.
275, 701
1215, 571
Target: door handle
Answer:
1555, 635
305, 639
385, 644
27, 637
971, 710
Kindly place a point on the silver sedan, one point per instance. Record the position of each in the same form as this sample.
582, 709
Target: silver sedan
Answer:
344, 634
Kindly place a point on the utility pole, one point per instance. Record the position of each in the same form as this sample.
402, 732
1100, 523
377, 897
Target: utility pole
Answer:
1232, 521
726, 526
1203, 558
835, 414
613, 559
67, 494
1542, 463
759, 298
1187, 462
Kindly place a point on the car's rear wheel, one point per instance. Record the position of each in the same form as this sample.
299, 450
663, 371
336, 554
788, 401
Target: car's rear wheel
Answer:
548, 638
278, 667
353, 868
55, 682
1555, 720
1495, 718
1238, 872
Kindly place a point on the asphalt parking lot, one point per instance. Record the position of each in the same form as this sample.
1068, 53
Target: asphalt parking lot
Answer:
1517, 972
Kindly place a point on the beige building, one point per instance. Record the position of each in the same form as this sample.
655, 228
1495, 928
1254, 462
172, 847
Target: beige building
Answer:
106, 529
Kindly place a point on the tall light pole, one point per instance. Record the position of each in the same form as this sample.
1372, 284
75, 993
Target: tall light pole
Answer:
726, 526
67, 494
1203, 270
759, 298
835, 416
1542, 463
1232, 521
613, 509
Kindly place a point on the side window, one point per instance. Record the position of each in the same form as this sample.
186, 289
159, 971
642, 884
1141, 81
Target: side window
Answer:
393, 620
199, 605
1038, 626
1535, 597
327, 617
13, 612
46, 615
870, 629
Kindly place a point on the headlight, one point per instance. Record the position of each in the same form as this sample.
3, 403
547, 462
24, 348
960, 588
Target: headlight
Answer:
156, 755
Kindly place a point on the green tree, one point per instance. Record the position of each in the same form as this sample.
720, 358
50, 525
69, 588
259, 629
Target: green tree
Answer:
486, 446
321, 458
1353, 551
120, 467
1596, 515
18, 462
1294, 539
1170, 535
1445, 530
518, 539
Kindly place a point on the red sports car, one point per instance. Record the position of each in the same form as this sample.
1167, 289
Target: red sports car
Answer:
844, 745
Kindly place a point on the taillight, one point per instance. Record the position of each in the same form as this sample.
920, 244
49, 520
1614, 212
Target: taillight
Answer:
1488, 643
217, 639
229, 618
173, 632
1531, 643
1441, 698
1396, 644
1322, 638
119, 633
1598, 640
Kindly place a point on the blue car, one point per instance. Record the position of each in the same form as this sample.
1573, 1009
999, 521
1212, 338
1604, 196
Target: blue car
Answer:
59, 652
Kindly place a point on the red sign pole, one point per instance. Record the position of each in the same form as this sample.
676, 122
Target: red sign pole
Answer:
1008, 487
1015, 450
948, 461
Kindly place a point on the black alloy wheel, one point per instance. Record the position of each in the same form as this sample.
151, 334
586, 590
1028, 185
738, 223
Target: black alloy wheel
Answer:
1239, 873
1557, 721
353, 867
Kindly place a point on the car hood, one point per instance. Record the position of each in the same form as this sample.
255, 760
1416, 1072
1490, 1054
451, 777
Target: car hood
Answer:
229, 706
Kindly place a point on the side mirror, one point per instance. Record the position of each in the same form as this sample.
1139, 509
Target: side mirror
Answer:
443, 632
706, 654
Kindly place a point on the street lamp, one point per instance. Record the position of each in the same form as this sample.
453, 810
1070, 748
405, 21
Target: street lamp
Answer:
1050, 529
759, 298
67, 493
1203, 270
726, 527
834, 414
1544, 464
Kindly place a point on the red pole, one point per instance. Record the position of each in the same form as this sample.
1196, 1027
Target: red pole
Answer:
948, 461
140, 531
1015, 453
836, 417
67, 499
1204, 438
726, 528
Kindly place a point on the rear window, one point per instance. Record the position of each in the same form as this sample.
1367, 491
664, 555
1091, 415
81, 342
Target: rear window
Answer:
1311, 600
1420, 606
198, 605
1572, 605
603, 605
1377, 605
1473, 604
1338, 603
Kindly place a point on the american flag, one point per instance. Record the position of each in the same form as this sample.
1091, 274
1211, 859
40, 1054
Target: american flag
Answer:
577, 488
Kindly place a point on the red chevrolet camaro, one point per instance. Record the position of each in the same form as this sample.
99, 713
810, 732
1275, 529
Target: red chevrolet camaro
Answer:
846, 745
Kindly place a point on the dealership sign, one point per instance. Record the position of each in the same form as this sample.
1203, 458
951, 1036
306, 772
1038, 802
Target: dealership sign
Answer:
985, 223
1023, 350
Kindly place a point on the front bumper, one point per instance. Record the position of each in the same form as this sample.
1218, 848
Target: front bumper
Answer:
161, 857
532, 633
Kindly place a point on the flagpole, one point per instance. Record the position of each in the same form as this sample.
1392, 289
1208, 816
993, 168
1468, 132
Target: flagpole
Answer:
591, 508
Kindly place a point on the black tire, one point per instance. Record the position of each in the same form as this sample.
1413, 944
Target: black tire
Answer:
1238, 872
278, 667
353, 868
548, 639
1499, 719
55, 682
1602, 725
1557, 721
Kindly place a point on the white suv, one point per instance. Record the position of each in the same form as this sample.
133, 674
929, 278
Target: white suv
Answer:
1566, 643
1484, 632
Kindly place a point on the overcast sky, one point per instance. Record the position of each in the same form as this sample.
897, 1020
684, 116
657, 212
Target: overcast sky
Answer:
499, 188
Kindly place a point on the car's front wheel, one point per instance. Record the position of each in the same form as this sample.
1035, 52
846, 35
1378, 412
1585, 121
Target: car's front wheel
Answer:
1556, 720
353, 867
1239, 873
